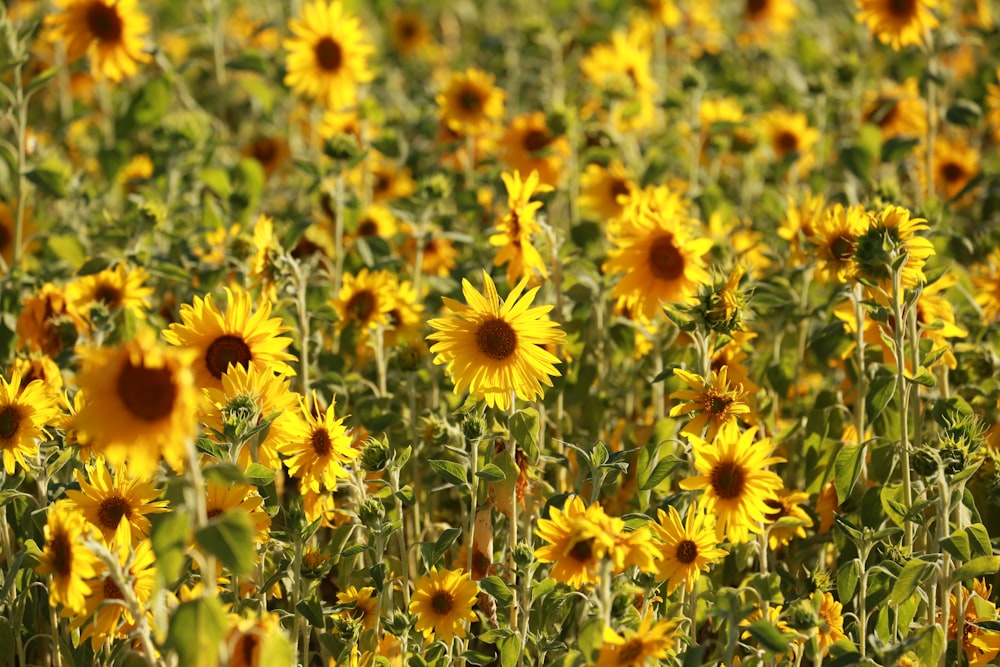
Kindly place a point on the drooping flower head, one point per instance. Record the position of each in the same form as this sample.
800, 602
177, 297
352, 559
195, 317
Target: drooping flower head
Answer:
517, 227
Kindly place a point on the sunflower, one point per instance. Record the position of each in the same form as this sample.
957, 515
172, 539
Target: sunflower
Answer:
765, 20
142, 403
262, 272
408, 32
650, 643
981, 646
826, 507
602, 187
786, 506
7, 233
406, 318
517, 227
250, 640
891, 233
736, 482
111, 32
471, 104
790, 137
67, 559
221, 498
240, 337
328, 56
389, 180
986, 283
378, 221
799, 224
39, 367
248, 398
577, 539
140, 168
270, 151
442, 601
49, 323
717, 401
897, 109
835, 237
113, 289
621, 67
365, 601
684, 549
529, 146
249, 31
898, 22
955, 163
116, 506
831, 628
320, 457
494, 348
657, 252
25, 411
365, 300
103, 617
439, 256
774, 616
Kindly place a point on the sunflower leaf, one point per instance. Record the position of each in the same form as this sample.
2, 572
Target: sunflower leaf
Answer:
196, 629
977, 567
768, 636
450, 472
914, 572
524, 430
847, 468
497, 588
229, 537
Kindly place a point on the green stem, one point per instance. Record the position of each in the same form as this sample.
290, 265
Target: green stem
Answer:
474, 467
862, 380
931, 118
902, 393
302, 282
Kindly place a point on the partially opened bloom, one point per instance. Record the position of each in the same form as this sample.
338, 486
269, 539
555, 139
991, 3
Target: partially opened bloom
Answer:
716, 401
111, 32
442, 602
328, 55
831, 619
651, 642
494, 348
120, 287
517, 227
684, 549
24, 414
898, 22
735, 481
318, 459
530, 146
364, 600
787, 506
67, 558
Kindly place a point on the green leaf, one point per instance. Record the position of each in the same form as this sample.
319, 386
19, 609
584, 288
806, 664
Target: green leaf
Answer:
881, 389
897, 148
229, 537
923, 377
768, 636
846, 470
913, 574
660, 472
524, 430
149, 106
498, 588
979, 541
510, 650
406, 496
957, 544
6, 642
196, 629
964, 112
491, 473
51, 177
259, 475
170, 536
445, 540
977, 567
276, 649
847, 579
858, 160
450, 472
892, 503
216, 180
591, 638
929, 647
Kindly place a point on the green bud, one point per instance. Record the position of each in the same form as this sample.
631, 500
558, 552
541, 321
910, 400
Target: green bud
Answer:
557, 122
371, 513
436, 186
410, 356
925, 462
375, 456
474, 427
341, 147
802, 615
523, 555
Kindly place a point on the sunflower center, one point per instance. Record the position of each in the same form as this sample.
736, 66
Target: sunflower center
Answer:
148, 394
226, 351
755, 7
630, 652
952, 172
618, 187
665, 260
902, 8
728, 480
361, 305
112, 510
61, 549
212, 513
841, 248
786, 142
320, 442
583, 551
367, 228
687, 551
5, 236
536, 140
247, 646
264, 150
382, 184
109, 295
777, 508
103, 22
329, 55
496, 339
442, 603
470, 100
111, 590
717, 405
408, 29
10, 421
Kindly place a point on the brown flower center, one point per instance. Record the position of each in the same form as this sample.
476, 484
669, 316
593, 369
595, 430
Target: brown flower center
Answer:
630, 652
329, 55
213, 512
618, 187
103, 22
717, 405
442, 603
785, 143
687, 551
665, 260
148, 394
728, 480
536, 140
111, 590
320, 442
470, 100
109, 295
61, 549
367, 228
112, 510
246, 649
226, 351
6, 237
756, 7
903, 9
265, 150
583, 551
496, 339
361, 306
841, 248
10, 421
777, 508
952, 172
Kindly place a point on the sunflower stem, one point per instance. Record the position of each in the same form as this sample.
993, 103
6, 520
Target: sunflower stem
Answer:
216, 9
862, 379
197, 500
474, 467
339, 196
902, 392
21, 114
56, 649
931, 116
606, 600
404, 560
302, 283
512, 533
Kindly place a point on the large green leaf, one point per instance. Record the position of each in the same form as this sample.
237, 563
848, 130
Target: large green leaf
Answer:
196, 629
229, 537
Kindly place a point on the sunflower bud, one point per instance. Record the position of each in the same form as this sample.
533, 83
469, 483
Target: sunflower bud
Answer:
411, 355
924, 461
436, 186
473, 426
341, 147
375, 456
802, 615
371, 513
523, 554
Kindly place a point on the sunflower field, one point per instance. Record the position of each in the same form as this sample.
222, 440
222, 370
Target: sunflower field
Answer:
576, 332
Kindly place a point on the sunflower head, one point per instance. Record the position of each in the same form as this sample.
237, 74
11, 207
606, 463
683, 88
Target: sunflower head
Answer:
471, 104
111, 32
442, 602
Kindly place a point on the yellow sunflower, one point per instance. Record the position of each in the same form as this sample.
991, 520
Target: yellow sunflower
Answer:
251, 639
111, 32
320, 457
378, 221
621, 67
897, 109
684, 549
981, 646
831, 619
408, 32
898, 22
439, 256
49, 323
39, 367
139, 168
262, 272
788, 133
577, 540
271, 151
406, 317
517, 227
494, 348
7, 233
955, 163
240, 337
114, 289
836, 235
765, 20
365, 299
142, 403
717, 401
653, 641
221, 498
774, 616
799, 225
67, 559
328, 56
117, 506
786, 506
25, 411
661, 260
442, 602
364, 607
389, 180
888, 232
471, 104
528, 146
602, 187
986, 283
103, 617
736, 482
